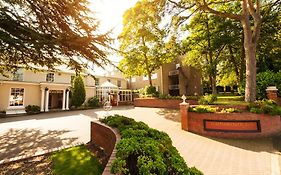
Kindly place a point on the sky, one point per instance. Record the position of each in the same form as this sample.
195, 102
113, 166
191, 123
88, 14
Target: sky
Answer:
110, 14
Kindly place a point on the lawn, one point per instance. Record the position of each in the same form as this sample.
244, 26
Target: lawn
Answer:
76, 161
230, 100
79, 160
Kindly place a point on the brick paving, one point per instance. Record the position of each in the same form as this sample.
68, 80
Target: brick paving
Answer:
211, 156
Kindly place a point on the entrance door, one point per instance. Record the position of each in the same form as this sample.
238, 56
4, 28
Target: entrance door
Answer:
55, 99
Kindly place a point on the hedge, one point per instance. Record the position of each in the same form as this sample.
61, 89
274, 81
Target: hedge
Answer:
143, 150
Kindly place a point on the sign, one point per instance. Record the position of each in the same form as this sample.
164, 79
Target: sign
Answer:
232, 125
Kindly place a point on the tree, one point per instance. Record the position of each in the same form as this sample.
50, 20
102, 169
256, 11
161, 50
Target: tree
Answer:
142, 43
78, 91
49, 33
251, 28
205, 45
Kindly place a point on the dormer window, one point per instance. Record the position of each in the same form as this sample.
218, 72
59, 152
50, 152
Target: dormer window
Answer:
50, 77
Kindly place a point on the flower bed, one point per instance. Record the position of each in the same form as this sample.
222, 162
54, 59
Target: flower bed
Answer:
229, 125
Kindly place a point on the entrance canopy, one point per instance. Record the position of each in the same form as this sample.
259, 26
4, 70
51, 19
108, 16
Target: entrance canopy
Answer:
108, 85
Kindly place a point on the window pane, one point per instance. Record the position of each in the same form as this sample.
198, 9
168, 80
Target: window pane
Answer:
16, 97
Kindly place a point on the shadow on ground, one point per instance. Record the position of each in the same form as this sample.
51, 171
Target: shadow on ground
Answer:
21, 142
170, 114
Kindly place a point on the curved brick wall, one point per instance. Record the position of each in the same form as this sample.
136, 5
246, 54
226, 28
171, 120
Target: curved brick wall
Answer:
106, 138
160, 103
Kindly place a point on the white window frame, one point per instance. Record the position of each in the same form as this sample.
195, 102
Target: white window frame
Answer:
145, 78
18, 75
52, 78
133, 80
23, 101
120, 83
154, 76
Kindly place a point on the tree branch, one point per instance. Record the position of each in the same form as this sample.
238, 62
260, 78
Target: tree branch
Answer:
222, 14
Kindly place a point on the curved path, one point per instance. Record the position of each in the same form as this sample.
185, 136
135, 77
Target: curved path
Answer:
28, 135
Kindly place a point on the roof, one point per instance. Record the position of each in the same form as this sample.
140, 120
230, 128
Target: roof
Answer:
107, 84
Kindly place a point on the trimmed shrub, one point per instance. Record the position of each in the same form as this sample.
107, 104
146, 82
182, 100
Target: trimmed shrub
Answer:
265, 107
208, 99
203, 109
93, 102
143, 150
78, 91
32, 109
264, 79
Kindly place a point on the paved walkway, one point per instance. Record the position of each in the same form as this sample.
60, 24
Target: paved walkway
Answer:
30, 134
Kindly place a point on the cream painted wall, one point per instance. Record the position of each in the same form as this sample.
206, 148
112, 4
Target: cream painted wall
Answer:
32, 94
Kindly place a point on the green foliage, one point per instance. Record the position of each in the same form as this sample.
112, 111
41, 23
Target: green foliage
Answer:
168, 97
32, 109
49, 33
142, 40
149, 91
207, 99
265, 107
265, 79
229, 110
75, 160
143, 150
78, 91
203, 109
209, 109
93, 102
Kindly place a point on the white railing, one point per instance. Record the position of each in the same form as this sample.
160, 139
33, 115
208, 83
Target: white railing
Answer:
173, 87
174, 72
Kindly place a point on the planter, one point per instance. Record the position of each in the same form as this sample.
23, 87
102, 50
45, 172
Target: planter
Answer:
161, 103
230, 125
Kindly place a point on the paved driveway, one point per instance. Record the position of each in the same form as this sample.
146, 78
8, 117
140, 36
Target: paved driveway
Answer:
30, 134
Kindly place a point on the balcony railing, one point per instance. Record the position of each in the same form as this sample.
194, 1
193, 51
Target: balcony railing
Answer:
173, 87
174, 72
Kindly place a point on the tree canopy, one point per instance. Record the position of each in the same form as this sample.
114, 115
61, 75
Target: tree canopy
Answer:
49, 33
142, 40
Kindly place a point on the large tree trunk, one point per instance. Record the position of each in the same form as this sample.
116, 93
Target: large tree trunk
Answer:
149, 79
251, 36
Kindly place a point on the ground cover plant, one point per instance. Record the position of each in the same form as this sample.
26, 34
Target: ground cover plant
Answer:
211, 109
78, 160
265, 107
143, 150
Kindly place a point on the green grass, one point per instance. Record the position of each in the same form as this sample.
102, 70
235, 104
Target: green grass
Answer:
76, 161
230, 100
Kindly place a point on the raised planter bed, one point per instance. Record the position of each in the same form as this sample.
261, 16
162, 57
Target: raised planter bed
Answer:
230, 125
160, 103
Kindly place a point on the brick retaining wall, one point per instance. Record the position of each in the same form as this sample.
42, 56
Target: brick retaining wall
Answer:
194, 122
106, 138
160, 103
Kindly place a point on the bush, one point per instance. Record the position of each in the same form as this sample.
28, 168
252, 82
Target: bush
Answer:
143, 150
265, 107
203, 109
32, 109
93, 102
208, 99
149, 91
264, 79
164, 97
78, 91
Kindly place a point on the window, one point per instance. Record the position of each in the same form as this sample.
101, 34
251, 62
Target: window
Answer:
16, 97
154, 76
97, 81
145, 77
119, 83
50, 77
18, 75
133, 80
